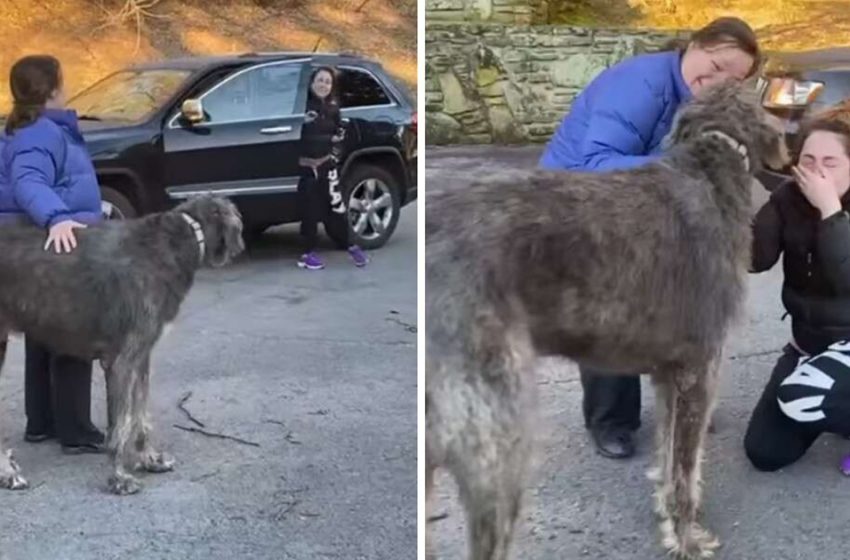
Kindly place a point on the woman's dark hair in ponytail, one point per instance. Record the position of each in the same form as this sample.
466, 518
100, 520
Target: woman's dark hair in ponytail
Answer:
33, 80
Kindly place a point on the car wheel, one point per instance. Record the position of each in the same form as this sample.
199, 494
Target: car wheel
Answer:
373, 205
115, 206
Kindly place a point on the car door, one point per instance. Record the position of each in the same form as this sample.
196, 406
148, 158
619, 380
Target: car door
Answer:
370, 110
247, 145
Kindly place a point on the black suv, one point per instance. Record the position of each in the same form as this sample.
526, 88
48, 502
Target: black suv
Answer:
797, 85
161, 132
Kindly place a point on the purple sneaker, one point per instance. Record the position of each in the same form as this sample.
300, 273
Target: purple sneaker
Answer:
311, 261
358, 256
845, 466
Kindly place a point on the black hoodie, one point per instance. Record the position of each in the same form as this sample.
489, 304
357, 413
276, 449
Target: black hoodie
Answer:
816, 263
322, 122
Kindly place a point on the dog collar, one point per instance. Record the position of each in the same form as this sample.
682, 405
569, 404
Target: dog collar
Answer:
734, 144
199, 232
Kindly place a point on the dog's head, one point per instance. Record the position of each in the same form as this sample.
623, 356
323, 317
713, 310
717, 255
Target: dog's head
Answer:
734, 111
221, 223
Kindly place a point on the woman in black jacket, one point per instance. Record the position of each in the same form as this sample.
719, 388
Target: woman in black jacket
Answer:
318, 187
806, 221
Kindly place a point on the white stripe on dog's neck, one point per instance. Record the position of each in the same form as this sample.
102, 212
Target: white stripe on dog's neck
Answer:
734, 144
199, 232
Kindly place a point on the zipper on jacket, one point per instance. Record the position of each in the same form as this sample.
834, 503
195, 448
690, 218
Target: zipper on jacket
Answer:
809, 262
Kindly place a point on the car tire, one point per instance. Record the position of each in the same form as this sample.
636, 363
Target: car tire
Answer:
116, 206
368, 184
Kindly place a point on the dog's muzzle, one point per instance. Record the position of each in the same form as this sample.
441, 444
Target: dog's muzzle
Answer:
199, 233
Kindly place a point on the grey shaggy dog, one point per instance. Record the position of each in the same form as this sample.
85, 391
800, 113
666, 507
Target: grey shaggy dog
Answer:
638, 270
110, 300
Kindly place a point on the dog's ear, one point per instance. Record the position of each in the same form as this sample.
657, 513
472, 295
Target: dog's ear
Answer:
684, 125
228, 241
691, 117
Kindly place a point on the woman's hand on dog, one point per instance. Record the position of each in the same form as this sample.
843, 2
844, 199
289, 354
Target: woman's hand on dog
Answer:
818, 189
61, 236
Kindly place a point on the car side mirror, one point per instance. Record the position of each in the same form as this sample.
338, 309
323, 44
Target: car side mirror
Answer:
192, 111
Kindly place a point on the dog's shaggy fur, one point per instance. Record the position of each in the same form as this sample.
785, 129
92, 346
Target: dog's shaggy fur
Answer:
110, 300
638, 270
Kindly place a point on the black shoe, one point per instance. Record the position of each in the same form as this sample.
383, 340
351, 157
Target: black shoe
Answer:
81, 448
38, 437
613, 443
94, 435
91, 441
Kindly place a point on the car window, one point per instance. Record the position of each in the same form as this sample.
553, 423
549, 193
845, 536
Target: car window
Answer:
836, 90
259, 93
407, 93
359, 89
129, 95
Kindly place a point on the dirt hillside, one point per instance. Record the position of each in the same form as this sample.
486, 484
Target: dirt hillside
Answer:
780, 24
92, 39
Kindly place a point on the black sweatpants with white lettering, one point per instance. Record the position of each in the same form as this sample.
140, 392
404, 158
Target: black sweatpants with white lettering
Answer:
314, 200
799, 403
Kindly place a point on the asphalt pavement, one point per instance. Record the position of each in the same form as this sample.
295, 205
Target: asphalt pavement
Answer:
580, 505
318, 369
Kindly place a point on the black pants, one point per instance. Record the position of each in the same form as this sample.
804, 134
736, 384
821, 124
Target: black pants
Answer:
57, 394
314, 201
775, 437
610, 401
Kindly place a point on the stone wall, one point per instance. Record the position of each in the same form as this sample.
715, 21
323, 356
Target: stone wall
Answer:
502, 11
497, 83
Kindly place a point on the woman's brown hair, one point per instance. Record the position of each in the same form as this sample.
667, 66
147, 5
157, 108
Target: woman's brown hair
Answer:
32, 80
723, 31
833, 122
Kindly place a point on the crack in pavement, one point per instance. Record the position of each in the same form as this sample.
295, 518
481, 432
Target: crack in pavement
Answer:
758, 354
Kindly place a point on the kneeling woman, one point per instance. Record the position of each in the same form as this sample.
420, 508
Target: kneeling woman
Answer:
806, 221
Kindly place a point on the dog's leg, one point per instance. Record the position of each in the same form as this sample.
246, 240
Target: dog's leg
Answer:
111, 413
661, 473
491, 482
429, 496
693, 399
150, 459
120, 382
490, 456
10, 473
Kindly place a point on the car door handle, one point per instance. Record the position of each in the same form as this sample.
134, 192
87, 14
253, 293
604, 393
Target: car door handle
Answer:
276, 130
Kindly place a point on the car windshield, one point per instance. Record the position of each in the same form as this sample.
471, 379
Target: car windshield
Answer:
130, 95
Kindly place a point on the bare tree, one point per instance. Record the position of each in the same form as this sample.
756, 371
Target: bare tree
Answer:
136, 11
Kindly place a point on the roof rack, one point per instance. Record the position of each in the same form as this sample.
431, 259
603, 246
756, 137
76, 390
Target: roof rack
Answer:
300, 53
287, 53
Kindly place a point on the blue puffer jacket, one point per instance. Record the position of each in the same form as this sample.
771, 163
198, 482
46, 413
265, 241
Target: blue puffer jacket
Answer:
619, 120
46, 173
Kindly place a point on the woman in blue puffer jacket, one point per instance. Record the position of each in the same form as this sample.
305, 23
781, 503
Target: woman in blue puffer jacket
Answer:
47, 178
618, 122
